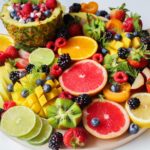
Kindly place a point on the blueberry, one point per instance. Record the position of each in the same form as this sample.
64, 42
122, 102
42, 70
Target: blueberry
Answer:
135, 34
47, 13
118, 37
39, 82
115, 88
24, 93
102, 13
49, 78
29, 20
36, 7
130, 35
47, 88
10, 88
22, 74
95, 122
13, 14
16, 18
133, 128
104, 51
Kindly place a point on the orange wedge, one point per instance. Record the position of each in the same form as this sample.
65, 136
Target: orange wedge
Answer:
79, 47
5, 41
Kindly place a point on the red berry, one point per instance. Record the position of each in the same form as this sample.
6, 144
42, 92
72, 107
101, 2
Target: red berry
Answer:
27, 9
75, 137
12, 52
65, 95
120, 77
60, 42
8, 104
3, 58
55, 71
128, 25
51, 4
50, 45
75, 29
21, 63
98, 57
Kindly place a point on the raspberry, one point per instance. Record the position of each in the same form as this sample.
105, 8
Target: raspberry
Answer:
27, 9
98, 57
120, 77
51, 4
55, 71
50, 45
75, 29
60, 42
8, 104
3, 57
12, 52
65, 95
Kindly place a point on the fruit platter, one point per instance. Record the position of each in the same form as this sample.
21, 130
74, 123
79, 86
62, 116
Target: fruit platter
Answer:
76, 78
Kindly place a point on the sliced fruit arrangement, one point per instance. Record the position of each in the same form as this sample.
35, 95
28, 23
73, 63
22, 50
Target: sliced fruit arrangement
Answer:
84, 71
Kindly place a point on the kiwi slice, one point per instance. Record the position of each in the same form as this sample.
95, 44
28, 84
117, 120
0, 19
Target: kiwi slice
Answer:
64, 113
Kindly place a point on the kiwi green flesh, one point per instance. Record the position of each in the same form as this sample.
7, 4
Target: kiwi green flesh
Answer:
64, 114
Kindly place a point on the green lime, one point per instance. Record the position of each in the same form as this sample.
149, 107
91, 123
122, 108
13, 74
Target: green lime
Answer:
44, 134
1, 102
18, 121
35, 131
41, 56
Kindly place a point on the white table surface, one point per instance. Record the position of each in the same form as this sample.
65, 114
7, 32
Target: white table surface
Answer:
140, 6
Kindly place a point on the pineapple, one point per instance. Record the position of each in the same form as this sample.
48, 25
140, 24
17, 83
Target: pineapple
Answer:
37, 100
32, 34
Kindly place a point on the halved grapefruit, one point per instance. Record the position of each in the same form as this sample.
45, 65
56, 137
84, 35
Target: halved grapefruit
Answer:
86, 76
114, 120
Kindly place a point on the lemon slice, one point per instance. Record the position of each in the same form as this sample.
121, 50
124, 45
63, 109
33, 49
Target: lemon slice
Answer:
140, 115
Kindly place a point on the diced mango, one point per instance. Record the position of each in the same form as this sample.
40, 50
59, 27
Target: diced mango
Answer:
43, 76
111, 50
118, 45
112, 43
136, 42
51, 83
126, 42
36, 107
42, 114
31, 99
57, 84
54, 93
17, 86
17, 98
25, 103
39, 91
59, 90
42, 100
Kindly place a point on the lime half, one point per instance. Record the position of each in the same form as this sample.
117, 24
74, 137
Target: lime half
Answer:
44, 134
41, 56
18, 121
35, 131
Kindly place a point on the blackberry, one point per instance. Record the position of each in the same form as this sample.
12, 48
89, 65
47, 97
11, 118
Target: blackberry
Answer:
62, 32
102, 13
83, 100
14, 76
123, 53
131, 79
144, 33
64, 61
76, 7
45, 69
134, 103
118, 37
1, 112
68, 19
109, 35
56, 140
115, 87
29, 68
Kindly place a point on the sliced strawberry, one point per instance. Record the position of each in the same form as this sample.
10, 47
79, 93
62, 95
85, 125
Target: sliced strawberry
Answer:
21, 63
23, 54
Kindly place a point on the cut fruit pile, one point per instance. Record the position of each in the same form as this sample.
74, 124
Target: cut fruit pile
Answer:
64, 75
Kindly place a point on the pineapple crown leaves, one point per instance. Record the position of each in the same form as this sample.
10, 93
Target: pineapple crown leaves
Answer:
137, 54
122, 7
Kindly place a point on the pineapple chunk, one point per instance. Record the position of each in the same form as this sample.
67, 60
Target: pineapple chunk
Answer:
42, 100
39, 91
112, 43
126, 42
118, 45
136, 42
57, 84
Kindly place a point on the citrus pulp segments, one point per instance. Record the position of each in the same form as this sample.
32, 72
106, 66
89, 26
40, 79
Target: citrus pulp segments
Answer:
18, 121
82, 76
44, 134
140, 115
79, 48
105, 118
42, 56
35, 131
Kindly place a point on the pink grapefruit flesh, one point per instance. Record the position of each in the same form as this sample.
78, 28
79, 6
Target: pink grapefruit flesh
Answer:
86, 76
114, 120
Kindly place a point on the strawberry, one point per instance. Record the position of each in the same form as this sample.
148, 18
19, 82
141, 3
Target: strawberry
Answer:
75, 137
98, 57
148, 85
3, 58
120, 77
27, 9
75, 29
51, 4
8, 104
12, 52
133, 23
55, 71
21, 63
23, 54
118, 13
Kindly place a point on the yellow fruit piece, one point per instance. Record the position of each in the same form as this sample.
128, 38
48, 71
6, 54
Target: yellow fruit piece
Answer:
25, 103
112, 43
126, 42
17, 98
140, 115
42, 114
36, 107
43, 76
51, 95
118, 45
57, 84
17, 86
79, 47
51, 83
32, 99
42, 100
24, 81
136, 42
59, 90
39, 91
5, 41
112, 51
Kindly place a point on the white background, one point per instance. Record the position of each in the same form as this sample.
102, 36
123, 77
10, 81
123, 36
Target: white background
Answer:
140, 6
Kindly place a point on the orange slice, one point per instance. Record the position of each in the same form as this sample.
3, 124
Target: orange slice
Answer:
5, 41
79, 47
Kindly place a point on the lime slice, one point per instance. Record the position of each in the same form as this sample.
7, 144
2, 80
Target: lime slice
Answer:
44, 135
35, 131
1, 102
41, 56
18, 121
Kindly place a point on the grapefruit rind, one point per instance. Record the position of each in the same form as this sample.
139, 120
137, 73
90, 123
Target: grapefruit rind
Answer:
112, 134
91, 92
